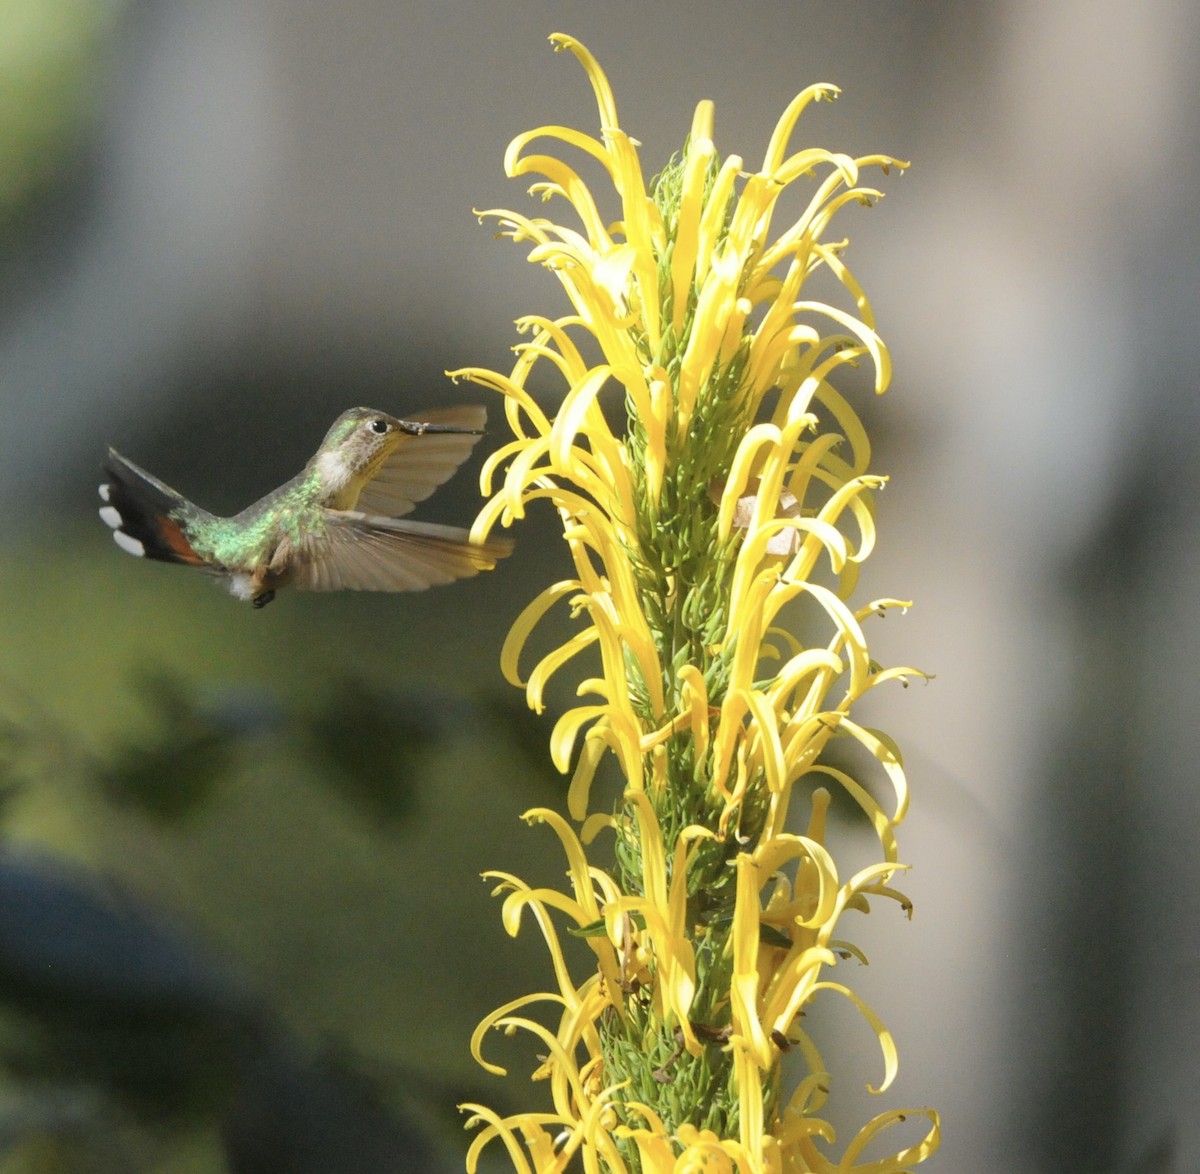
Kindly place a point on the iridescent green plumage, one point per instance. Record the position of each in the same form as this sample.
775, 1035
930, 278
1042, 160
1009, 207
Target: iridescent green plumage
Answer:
293, 511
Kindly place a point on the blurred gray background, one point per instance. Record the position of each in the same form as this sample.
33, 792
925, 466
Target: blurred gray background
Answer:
226, 222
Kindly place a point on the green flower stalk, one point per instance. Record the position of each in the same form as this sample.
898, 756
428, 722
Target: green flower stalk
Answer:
738, 482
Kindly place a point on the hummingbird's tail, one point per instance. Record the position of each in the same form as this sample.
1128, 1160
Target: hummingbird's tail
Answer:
148, 518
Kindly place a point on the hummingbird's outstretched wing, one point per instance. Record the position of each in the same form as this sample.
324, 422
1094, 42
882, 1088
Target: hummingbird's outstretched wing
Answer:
418, 464
362, 552
148, 519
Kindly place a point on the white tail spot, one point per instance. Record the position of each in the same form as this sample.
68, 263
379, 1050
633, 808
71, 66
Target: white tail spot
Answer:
110, 517
105, 491
127, 542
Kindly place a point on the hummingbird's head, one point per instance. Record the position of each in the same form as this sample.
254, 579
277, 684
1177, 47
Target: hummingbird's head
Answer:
361, 438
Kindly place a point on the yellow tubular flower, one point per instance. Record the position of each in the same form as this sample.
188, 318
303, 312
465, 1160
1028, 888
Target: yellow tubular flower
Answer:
735, 503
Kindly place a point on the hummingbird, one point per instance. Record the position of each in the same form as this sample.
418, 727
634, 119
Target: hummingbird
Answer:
338, 524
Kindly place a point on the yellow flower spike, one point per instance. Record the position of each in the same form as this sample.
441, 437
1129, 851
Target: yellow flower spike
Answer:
728, 733
735, 796
494, 513
798, 1125
514, 160
656, 1153
804, 163
811, 1094
683, 978
803, 239
879, 608
770, 465
855, 496
774, 345
868, 880
849, 639
514, 506
523, 472
852, 430
821, 535
752, 614
516, 902
739, 470
702, 1151
654, 741
576, 857
674, 981
664, 907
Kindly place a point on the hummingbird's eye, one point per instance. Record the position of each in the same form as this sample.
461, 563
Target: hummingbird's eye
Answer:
380, 427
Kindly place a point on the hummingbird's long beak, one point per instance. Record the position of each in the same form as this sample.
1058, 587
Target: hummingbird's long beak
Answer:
415, 428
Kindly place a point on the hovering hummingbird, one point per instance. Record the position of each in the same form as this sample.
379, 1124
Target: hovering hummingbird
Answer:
335, 525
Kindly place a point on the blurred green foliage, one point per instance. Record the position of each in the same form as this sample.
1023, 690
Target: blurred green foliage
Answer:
52, 58
314, 788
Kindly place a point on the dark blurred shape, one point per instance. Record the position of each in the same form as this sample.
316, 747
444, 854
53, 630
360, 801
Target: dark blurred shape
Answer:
304, 1114
110, 1013
108, 995
15, 753
370, 742
507, 718
1160, 1158
169, 774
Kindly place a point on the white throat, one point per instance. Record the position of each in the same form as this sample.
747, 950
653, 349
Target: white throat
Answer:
335, 474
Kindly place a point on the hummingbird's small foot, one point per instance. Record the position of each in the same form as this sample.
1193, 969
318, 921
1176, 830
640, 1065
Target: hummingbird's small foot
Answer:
263, 599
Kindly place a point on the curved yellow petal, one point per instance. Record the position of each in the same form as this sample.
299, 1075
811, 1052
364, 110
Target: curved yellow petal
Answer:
514, 642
